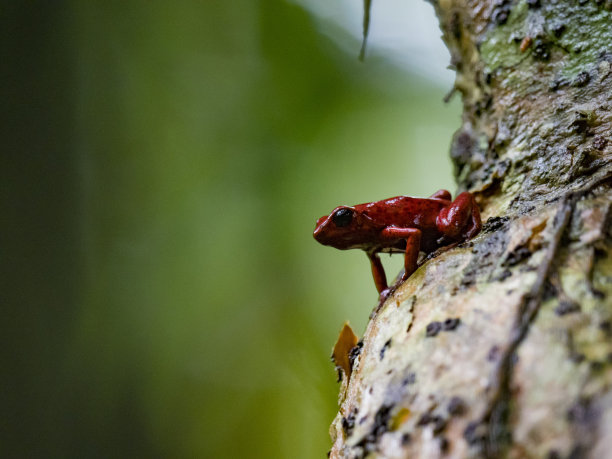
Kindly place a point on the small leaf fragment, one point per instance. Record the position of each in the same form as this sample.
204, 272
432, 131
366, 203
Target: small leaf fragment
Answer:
402, 416
347, 340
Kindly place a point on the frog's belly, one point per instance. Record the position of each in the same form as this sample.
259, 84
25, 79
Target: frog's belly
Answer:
428, 245
393, 249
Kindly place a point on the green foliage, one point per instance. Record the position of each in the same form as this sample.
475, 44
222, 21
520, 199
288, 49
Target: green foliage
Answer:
202, 142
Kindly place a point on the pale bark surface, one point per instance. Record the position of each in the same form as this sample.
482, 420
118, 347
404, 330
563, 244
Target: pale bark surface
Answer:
502, 346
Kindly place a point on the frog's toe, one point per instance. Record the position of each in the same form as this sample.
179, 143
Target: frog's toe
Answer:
385, 294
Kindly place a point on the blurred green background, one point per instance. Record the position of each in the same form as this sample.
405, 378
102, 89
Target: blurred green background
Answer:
162, 168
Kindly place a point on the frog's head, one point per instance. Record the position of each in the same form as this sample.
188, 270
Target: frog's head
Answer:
344, 228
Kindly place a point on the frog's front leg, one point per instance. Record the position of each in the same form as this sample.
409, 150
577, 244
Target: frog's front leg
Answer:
413, 246
378, 272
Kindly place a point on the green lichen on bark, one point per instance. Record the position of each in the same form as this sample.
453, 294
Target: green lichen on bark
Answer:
573, 38
527, 114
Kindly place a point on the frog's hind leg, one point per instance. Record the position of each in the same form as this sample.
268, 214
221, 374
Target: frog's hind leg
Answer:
378, 272
460, 219
442, 194
475, 223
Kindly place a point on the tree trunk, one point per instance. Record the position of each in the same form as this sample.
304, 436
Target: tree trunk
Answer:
502, 346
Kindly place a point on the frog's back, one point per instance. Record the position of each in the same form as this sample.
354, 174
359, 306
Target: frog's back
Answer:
405, 212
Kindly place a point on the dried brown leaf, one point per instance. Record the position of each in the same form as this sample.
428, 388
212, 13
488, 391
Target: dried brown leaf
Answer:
340, 355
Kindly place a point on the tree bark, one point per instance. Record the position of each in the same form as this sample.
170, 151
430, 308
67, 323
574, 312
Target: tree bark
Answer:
502, 346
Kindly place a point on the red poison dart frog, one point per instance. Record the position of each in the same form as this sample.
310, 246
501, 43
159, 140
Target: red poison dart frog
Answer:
400, 224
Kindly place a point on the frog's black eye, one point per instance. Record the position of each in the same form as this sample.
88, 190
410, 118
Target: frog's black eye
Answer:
342, 217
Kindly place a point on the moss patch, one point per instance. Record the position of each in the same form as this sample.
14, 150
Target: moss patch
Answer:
568, 40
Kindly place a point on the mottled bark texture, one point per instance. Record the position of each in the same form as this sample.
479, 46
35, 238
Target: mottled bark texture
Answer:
502, 346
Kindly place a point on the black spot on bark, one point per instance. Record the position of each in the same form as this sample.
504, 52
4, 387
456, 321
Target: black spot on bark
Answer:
599, 142
501, 12
580, 123
433, 328
493, 224
493, 354
600, 252
410, 379
438, 424
582, 79
597, 365
381, 420
386, 346
581, 412
541, 49
355, 352
549, 291
424, 419
348, 423
505, 274
598, 294
380, 426
475, 433
456, 406
451, 324
455, 25
578, 452
558, 83
558, 29
516, 256
576, 357
567, 307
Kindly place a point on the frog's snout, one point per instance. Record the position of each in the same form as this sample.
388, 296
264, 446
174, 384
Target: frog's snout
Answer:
319, 233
